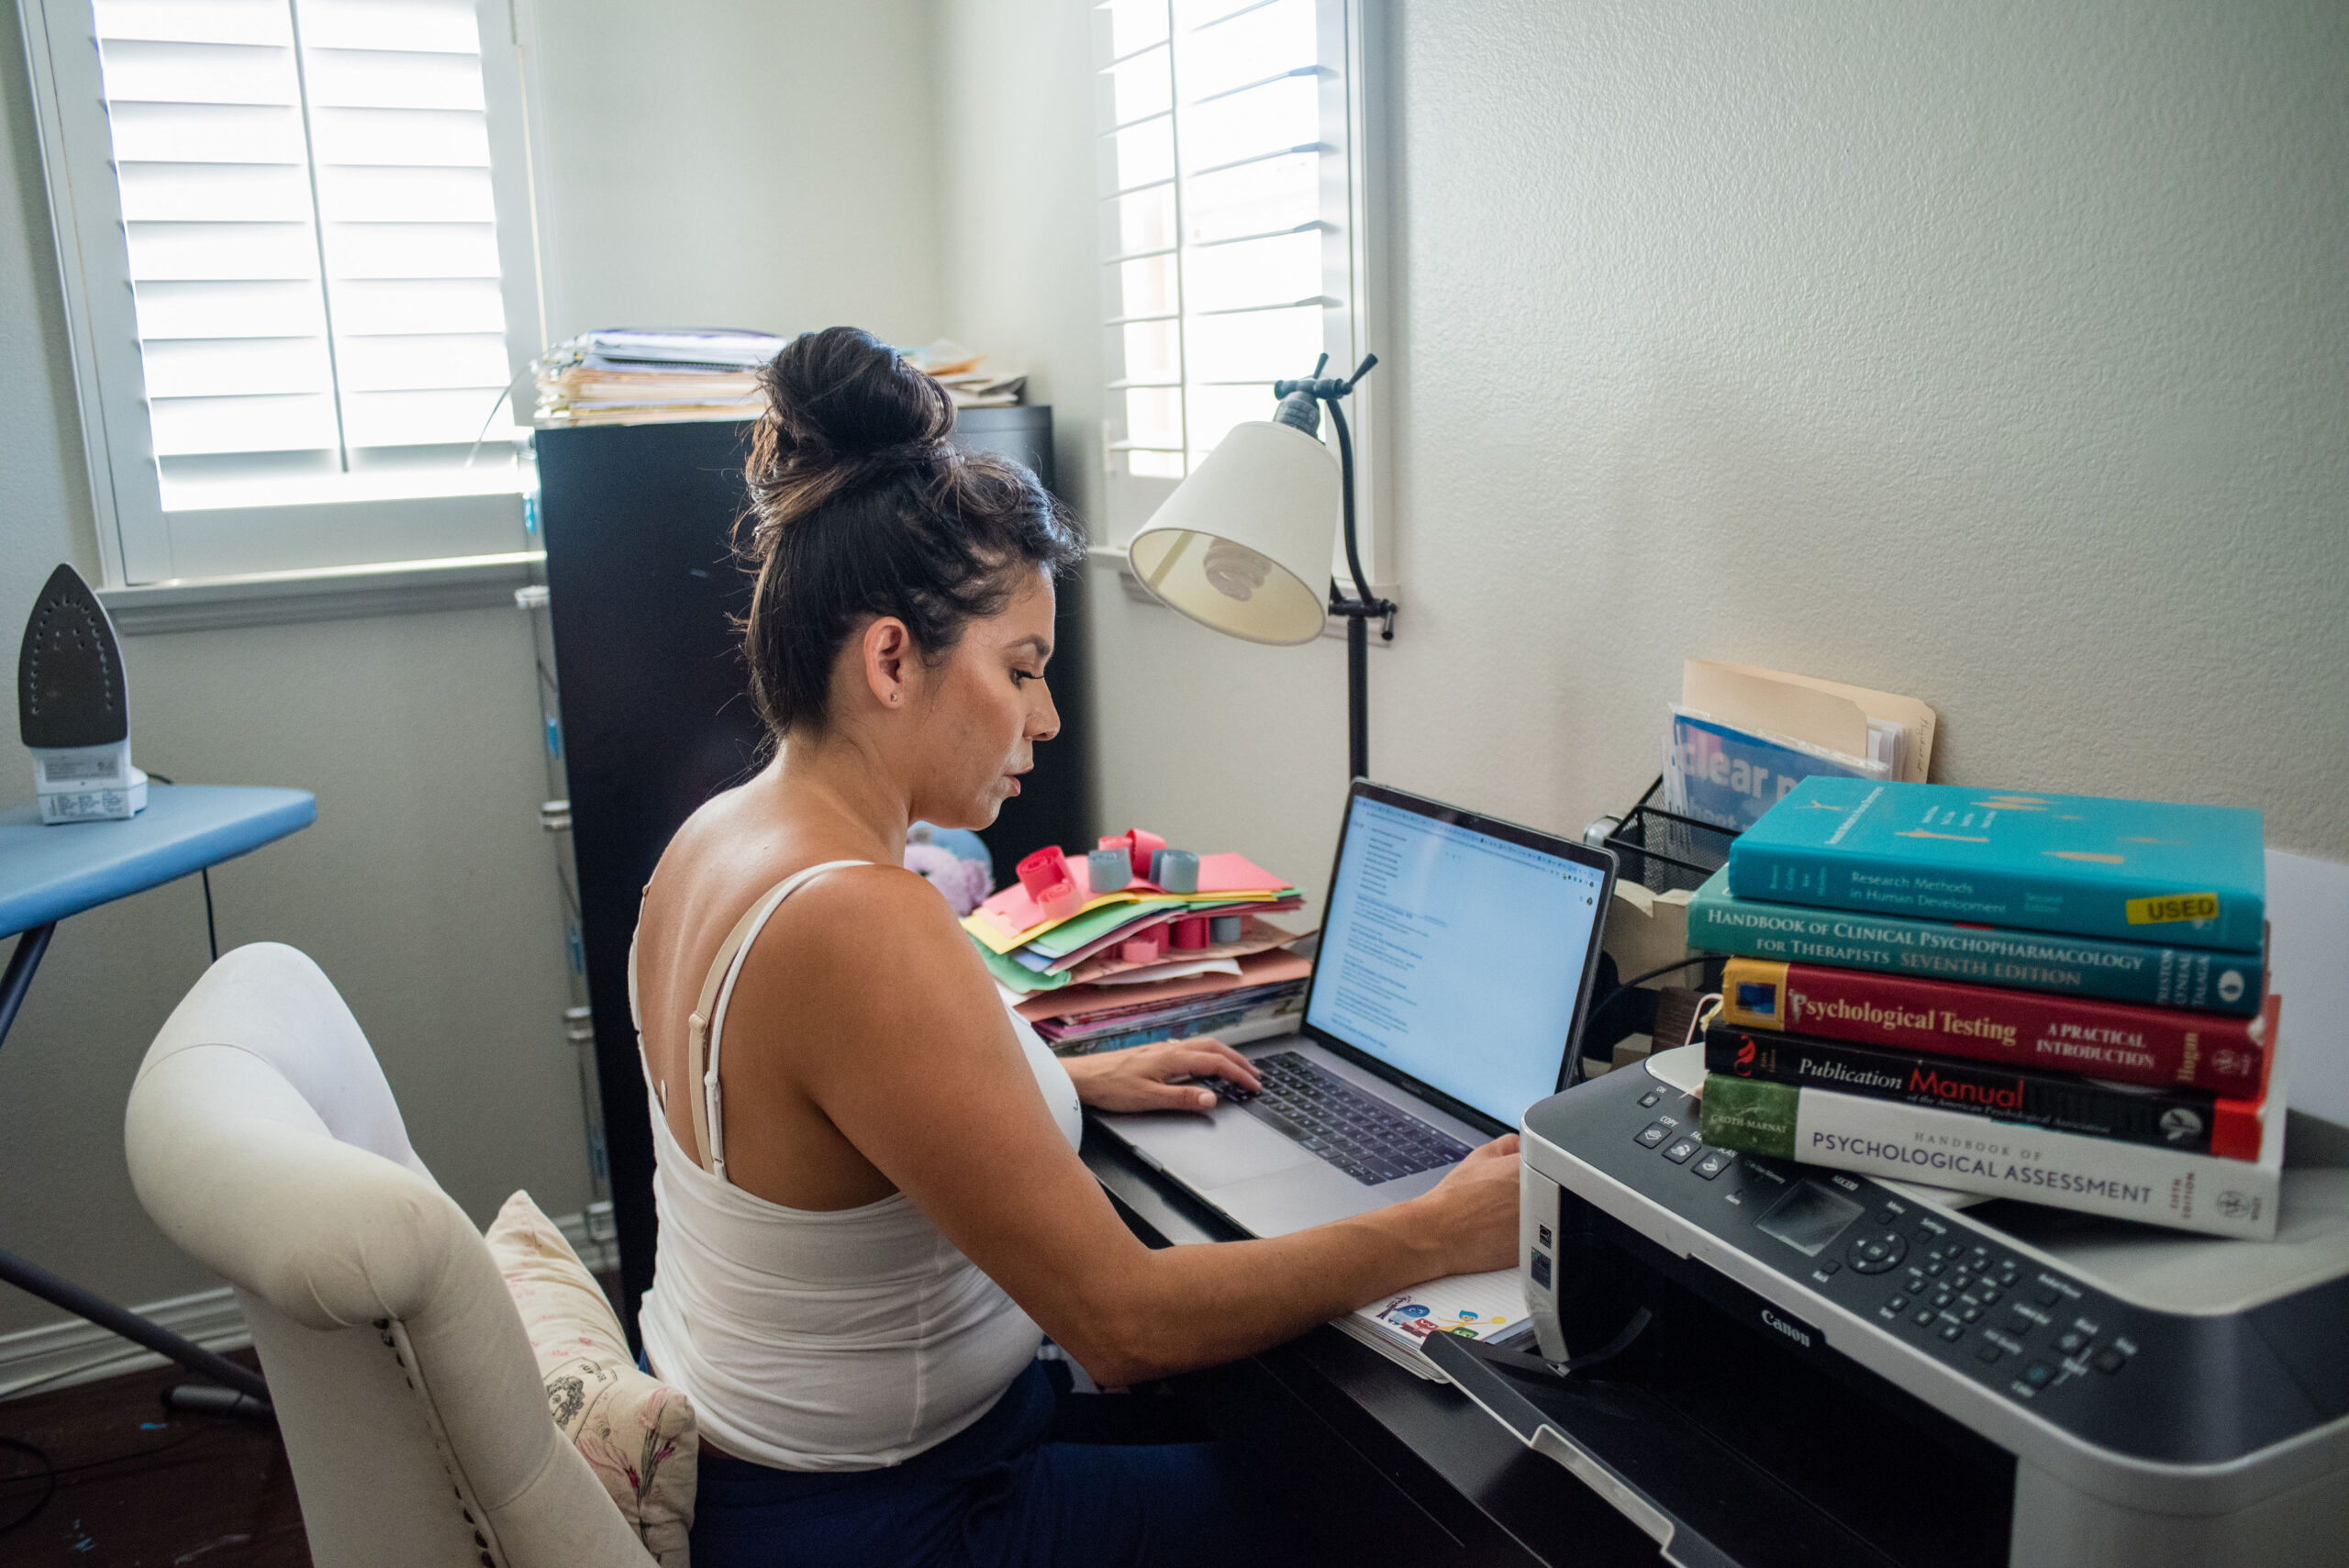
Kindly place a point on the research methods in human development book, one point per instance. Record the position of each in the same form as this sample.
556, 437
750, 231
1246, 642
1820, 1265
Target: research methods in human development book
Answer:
2132, 870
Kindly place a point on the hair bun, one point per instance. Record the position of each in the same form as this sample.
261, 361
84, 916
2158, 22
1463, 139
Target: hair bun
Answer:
843, 410
843, 393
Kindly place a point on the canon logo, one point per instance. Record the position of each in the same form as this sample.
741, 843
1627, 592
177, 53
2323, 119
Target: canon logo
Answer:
1798, 1334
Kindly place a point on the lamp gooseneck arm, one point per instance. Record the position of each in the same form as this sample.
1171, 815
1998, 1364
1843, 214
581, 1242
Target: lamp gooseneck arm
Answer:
1346, 480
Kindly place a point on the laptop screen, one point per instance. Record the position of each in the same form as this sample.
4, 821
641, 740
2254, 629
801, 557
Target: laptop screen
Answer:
1453, 955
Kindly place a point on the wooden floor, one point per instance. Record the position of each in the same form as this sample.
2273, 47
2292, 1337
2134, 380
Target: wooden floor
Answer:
141, 1486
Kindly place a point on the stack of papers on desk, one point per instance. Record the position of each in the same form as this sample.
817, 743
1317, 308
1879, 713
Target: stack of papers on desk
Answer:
1475, 1306
1236, 1000
1069, 977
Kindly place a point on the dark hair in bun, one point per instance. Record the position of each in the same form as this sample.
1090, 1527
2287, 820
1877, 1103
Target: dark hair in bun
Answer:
861, 507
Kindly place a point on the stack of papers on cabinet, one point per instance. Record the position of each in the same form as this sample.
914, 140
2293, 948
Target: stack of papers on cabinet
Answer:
634, 375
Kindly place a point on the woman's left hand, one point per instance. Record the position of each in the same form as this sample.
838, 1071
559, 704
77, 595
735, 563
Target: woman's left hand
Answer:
1156, 1077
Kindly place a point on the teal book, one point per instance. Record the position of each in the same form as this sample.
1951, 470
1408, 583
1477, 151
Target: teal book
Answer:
2135, 871
2156, 974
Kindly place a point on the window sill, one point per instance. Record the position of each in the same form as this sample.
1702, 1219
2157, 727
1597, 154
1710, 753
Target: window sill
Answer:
334, 593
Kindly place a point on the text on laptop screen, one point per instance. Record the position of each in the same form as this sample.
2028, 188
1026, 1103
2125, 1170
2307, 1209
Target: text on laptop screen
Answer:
1454, 956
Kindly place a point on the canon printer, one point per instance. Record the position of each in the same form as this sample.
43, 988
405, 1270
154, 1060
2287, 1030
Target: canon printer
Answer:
1769, 1364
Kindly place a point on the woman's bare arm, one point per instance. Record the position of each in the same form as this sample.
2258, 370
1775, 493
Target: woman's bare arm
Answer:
918, 1067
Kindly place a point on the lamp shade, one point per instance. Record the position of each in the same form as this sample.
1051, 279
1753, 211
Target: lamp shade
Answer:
1243, 544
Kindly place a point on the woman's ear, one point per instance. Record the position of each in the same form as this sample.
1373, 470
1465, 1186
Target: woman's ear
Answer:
889, 661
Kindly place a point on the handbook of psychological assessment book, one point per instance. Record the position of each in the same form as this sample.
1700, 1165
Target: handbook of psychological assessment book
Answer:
2159, 1047
1967, 1152
2132, 870
2150, 972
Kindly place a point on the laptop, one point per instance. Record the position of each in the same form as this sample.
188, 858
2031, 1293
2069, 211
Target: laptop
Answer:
1456, 962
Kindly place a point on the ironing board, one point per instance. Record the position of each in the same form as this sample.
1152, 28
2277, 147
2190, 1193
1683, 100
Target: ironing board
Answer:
47, 874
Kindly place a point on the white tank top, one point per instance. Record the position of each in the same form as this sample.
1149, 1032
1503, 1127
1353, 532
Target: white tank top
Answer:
821, 1339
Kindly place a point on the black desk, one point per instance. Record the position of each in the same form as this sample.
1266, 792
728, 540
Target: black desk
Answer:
1405, 1471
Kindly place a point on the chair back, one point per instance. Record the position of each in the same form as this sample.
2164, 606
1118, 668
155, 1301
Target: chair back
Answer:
264, 1142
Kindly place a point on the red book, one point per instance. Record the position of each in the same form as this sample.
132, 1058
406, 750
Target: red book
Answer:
2159, 1046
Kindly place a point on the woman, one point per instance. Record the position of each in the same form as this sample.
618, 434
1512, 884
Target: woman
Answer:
869, 1193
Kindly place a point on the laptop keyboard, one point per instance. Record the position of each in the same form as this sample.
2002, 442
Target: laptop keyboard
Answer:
1360, 1134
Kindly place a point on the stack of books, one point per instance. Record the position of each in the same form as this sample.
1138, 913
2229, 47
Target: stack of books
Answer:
1144, 963
2048, 997
634, 376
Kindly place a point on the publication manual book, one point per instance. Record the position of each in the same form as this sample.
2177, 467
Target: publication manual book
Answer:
2059, 1102
2154, 1046
2134, 869
2152, 972
1969, 1154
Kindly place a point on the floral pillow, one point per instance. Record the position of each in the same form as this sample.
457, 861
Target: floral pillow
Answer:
637, 1434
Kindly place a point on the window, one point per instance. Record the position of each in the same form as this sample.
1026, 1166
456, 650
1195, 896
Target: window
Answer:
1230, 221
296, 312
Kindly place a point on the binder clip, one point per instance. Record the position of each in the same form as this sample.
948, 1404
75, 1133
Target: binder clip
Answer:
1176, 871
1138, 847
1105, 870
1191, 933
1046, 876
1223, 928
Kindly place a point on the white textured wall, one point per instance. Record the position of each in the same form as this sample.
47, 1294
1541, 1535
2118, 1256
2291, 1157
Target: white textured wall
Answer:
760, 164
1996, 354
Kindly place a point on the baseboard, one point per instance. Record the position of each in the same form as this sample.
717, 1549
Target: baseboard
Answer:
61, 1354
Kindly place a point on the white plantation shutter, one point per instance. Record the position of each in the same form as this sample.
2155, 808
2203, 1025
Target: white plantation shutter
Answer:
306, 217
1229, 197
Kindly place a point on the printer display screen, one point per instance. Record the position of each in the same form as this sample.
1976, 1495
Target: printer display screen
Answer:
1809, 1217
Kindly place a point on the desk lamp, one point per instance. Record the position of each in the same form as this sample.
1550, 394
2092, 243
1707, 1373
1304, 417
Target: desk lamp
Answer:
1243, 542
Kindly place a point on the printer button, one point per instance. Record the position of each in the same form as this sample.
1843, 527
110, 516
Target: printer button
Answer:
1988, 1353
1952, 1331
1651, 1097
1898, 1304
2039, 1375
1653, 1134
1988, 1296
1923, 1315
1715, 1161
2071, 1341
1683, 1151
2109, 1359
2020, 1324
2047, 1296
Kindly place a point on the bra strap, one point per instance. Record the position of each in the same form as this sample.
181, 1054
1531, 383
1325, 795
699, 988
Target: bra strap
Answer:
704, 1026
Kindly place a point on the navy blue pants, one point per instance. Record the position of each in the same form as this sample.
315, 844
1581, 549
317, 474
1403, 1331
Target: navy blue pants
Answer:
995, 1496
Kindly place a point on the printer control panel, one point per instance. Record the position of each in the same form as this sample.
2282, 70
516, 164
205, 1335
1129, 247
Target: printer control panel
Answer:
1951, 1290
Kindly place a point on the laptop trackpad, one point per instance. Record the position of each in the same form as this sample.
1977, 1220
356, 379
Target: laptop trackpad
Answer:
1225, 1146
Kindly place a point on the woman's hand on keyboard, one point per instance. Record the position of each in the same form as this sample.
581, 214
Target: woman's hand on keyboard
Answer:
1158, 1078
1476, 1207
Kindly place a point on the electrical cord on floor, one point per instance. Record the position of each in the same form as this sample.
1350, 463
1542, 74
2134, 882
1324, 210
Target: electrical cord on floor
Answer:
52, 1474
49, 1490
211, 928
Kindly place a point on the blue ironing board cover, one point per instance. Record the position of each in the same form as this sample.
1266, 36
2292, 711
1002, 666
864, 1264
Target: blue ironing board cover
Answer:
47, 874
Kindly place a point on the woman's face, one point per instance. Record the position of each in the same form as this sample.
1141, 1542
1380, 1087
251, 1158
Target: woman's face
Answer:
981, 710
